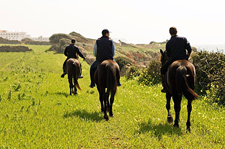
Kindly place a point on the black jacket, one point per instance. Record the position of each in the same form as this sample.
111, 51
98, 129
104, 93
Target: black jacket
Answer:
176, 47
71, 51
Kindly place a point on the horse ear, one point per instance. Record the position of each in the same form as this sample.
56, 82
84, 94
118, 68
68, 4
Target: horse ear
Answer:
161, 51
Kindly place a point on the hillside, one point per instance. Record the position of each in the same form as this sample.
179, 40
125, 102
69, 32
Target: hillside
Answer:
38, 112
140, 54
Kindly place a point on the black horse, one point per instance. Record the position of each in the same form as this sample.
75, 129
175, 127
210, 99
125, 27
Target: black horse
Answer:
106, 78
73, 71
179, 80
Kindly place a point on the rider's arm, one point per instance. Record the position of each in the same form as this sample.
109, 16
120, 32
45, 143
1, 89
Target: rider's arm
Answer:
95, 50
80, 54
113, 48
65, 52
188, 47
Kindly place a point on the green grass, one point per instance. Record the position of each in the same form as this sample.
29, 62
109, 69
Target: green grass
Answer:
36, 111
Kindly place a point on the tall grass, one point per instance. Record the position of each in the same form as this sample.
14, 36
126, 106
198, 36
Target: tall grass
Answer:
36, 111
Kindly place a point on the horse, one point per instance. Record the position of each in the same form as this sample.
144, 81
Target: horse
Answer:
106, 78
179, 80
73, 71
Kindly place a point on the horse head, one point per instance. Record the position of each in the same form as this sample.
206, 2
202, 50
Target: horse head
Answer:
164, 56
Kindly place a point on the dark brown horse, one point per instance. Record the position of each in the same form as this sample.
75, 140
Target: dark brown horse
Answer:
106, 77
73, 71
180, 80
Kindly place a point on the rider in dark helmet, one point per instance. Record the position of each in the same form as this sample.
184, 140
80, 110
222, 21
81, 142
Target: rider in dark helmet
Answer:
104, 49
71, 51
177, 48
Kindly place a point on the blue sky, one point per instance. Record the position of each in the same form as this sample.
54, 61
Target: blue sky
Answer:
138, 21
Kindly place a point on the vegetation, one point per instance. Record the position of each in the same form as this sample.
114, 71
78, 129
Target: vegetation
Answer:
210, 68
14, 49
32, 42
6, 41
38, 112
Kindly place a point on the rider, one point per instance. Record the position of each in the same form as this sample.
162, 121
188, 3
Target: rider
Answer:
177, 48
104, 49
71, 51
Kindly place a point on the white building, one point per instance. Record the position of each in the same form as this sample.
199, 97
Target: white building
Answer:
13, 35
46, 39
20, 35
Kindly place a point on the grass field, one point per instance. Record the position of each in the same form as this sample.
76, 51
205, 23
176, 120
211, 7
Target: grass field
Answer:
36, 111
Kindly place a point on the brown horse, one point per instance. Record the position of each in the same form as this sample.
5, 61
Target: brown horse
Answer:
179, 80
73, 71
106, 77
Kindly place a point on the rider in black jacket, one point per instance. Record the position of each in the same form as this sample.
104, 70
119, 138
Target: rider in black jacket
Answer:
71, 51
177, 48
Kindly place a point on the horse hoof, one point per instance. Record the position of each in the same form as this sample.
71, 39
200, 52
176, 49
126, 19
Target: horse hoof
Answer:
106, 117
169, 119
176, 125
188, 130
111, 115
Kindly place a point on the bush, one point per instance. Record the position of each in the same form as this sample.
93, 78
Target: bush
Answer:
210, 70
14, 49
123, 61
148, 76
151, 74
55, 38
6, 41
133, 72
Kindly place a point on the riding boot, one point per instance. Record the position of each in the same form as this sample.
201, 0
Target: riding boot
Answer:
92, 72
64, 72
163, 83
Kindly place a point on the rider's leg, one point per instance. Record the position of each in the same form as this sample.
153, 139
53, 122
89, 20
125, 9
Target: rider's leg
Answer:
64, 69
92, 72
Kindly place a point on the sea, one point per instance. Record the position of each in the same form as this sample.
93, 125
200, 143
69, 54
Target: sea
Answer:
211, 48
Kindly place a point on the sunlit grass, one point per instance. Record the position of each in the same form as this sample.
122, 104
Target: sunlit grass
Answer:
36, 111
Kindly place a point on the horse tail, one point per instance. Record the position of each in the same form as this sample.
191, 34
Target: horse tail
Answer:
182, 83
76, 71
111, 82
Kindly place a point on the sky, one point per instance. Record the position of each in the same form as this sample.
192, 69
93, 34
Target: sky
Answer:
133, 21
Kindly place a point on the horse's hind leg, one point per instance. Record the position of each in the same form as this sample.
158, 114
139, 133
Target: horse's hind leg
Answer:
74, 86
111, 104
177, 102
101, 99
189, 109
169, 116
107, 102
105, 109
70, 84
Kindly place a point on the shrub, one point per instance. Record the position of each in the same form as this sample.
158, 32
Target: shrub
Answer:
6, 41
14, 49
151, 74
147, 76
122, 61
133, 72
210, 70
54, 39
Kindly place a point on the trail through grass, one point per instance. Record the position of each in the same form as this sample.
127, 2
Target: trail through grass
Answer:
36, 111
